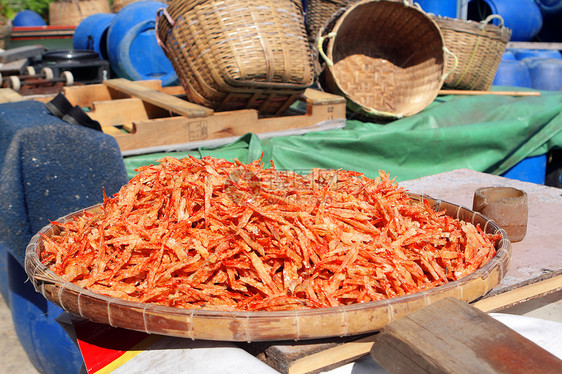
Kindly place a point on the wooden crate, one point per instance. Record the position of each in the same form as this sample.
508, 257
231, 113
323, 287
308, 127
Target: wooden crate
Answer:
145, 117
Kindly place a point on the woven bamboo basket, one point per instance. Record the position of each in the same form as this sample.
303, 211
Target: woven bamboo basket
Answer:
318, 12
263, 326
120, 4
386, 57
478, 46
239, 53
5, 33
72, 12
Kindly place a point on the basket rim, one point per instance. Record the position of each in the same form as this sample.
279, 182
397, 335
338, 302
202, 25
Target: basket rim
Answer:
473, 28
43, 278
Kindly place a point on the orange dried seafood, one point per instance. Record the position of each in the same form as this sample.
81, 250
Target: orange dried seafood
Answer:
209, 233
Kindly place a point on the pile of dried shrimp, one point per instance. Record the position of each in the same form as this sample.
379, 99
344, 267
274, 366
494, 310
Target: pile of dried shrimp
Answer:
209, 233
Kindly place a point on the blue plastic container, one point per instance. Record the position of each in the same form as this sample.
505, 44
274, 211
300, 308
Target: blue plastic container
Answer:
132, 46
550, 6
508, 55
522, 53
512, 73
523, 17
48, 346
4, 289
546, 74
444, 8
28, 18
531, 169
91, 33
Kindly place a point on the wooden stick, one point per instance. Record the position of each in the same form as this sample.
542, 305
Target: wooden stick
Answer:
349, 351
477, 93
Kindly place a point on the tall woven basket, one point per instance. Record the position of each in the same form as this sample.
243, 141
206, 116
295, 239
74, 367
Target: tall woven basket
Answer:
386, 58
318, 12
72, 12
238, 53
478, 46
120, 4
5, 32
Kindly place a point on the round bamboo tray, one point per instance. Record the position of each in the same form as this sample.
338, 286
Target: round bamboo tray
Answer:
263, 326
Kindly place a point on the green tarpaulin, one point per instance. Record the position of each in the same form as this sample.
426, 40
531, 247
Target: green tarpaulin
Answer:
488, 133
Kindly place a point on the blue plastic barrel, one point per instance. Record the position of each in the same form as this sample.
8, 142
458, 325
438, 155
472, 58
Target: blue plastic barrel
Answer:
550, 6
522, 53
132, 46
531, 169
444, 8
546, 74
523, 17
4, 289
91, 33
512, 73
508, 55
48, 346
28, 18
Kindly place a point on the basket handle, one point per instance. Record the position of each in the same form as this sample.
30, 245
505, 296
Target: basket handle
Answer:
455, 65
159, 13
491, 17
320, 43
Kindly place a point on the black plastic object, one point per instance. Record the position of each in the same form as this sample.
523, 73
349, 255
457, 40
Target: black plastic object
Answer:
59, 105
86, 66
77, 116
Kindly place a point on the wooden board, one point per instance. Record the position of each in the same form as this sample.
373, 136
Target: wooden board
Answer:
158, 98
7, 95
453, 337
145, 117
20, 53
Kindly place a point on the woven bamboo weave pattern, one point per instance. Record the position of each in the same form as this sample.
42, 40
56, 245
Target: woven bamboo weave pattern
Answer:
319, 11
385, 57
261, 325
5, 33
230, 54
479, 48
71, 13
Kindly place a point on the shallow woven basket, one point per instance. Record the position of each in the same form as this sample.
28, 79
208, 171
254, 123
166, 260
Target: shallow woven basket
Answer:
478, 46
68, 13
386, 57
263, 326
239, 53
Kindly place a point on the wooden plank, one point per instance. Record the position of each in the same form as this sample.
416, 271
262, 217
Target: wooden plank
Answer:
118, 112
85, 95
478, 93
184, 130
451, 336
519, 295
7, 95
158, 98
311, 358
535, 45
20, 53
316, 97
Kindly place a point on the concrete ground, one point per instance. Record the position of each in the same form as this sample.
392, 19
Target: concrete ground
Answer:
13, 358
